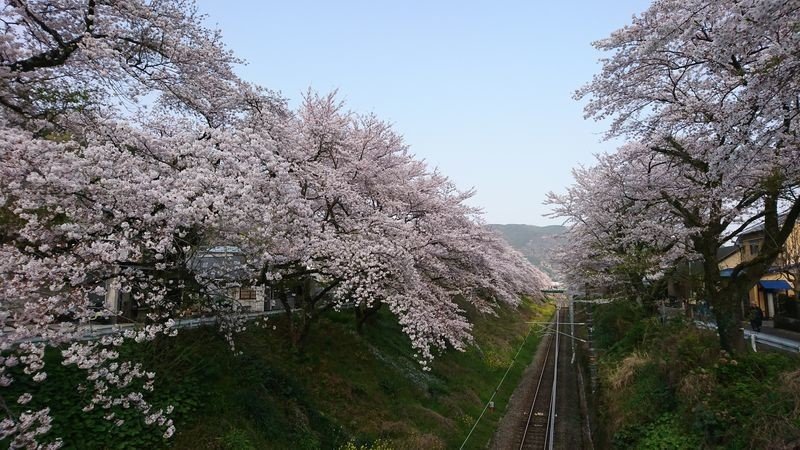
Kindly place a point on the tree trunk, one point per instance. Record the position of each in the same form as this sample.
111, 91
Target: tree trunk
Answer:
311, 309
287, 308
308, 314
728, 316
725, 302
302, 335
363, 314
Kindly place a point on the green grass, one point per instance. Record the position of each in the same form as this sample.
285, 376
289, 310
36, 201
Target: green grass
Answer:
344, 389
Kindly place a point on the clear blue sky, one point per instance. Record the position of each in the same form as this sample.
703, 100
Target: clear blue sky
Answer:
482, 90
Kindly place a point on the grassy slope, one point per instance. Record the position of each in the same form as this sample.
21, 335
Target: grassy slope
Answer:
345, 388
350, 388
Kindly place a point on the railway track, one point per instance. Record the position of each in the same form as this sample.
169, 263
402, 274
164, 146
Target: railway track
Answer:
538, 432
550, 408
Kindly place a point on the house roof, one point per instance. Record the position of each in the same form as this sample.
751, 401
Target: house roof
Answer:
725, 251
221, 262
759, 227
693, 266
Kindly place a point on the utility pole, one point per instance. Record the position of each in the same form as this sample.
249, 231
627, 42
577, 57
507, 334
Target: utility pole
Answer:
572, 326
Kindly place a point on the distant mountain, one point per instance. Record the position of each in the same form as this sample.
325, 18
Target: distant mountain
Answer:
534, 242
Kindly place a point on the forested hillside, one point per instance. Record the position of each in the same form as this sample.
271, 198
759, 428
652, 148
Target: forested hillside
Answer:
534, 242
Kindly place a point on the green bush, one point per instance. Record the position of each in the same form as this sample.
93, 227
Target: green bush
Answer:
666, 433
617, 326
644, 399
236, 439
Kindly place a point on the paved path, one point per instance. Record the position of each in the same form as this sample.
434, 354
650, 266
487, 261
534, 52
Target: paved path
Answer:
769, 335
774, 337
768, 327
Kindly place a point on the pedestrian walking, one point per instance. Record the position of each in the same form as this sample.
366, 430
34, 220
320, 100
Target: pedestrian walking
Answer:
756, 317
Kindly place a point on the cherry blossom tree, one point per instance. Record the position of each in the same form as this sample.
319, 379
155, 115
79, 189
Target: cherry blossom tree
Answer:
617, 242
710, 91
101, 184
385, 231
130, 147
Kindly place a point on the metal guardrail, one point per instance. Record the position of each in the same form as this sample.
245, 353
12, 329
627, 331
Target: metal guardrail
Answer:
94, 331
760, 338
773, 341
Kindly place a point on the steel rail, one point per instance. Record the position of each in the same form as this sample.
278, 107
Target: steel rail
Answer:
537, 391
551, 422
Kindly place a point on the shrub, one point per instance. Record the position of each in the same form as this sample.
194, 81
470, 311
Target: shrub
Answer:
236, 439
613, 324
666, 433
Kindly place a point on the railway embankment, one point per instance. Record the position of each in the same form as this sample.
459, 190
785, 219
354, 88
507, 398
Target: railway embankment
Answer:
344, 390
668, 385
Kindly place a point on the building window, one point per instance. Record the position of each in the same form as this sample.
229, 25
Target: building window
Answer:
247, 294
754, 248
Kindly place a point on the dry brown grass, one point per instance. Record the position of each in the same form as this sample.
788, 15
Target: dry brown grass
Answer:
780, 432
619, 377
622, 375
790, 385
432, 416
695, 386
